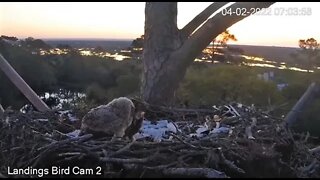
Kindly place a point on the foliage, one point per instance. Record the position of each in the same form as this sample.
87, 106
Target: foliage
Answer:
101, 78
308, 55
225, 83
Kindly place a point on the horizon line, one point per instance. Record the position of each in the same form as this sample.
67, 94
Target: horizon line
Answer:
128, 39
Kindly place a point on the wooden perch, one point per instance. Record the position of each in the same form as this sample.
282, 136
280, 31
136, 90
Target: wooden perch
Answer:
194, 172
26, 90
306, 99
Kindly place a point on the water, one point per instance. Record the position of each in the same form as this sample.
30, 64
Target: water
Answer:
63, 99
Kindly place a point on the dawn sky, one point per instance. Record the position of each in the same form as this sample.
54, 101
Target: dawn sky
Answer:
125, 20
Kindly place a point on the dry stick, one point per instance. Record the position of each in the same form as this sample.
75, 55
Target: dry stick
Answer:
315, 150
194, 172
79, 139
144, 151
126, 147
188, 144
249, 128
307, 137
132, 160
311, 166
230, 164
1, 109
2, 176
122, 161
49, 147
69, 154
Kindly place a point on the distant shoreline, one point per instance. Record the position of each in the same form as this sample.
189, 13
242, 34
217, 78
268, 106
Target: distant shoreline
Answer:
126, 40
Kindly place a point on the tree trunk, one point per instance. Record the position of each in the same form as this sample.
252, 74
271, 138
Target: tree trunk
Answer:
168, 51
306, 99
161, 39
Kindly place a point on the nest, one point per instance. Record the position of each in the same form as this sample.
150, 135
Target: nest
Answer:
38, 145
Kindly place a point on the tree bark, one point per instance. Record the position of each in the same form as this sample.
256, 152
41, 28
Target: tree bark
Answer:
306, 99
167, 53
161, 39
200, 18
16, 79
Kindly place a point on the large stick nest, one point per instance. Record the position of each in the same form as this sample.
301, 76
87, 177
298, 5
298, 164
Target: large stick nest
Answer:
39, 141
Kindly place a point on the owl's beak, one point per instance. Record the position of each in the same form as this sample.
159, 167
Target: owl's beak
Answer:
140, 115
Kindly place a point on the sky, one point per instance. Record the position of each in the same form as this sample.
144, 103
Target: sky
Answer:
125, 20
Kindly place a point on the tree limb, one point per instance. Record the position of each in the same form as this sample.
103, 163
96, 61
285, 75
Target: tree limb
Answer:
211, 29
200, 18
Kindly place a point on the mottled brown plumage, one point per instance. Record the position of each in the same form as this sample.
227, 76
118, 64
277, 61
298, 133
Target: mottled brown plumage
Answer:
111, 119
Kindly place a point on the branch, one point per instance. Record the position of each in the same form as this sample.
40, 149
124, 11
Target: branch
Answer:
230, 164
315, 150
121, 161
200, 18
1, 110
211, 29
2, 176
194, 172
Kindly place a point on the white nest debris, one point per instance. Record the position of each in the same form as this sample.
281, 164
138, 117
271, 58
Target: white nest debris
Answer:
157, 131
160, 130
203, 131
67, 115
74, 133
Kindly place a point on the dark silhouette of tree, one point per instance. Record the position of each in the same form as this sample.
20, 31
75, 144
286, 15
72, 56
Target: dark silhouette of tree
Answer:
310, 48
219, 45
138, 43
10, 38
32, 43
168, 51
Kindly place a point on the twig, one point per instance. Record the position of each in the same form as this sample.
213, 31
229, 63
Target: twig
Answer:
126, 147
2, 176
310, 167
230, 164
80, 138
119, 160
315, 150
69, 154
307, 137
188, 144
235, 111
194, 172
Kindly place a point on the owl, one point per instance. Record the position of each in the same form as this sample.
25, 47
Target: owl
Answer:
111, 119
